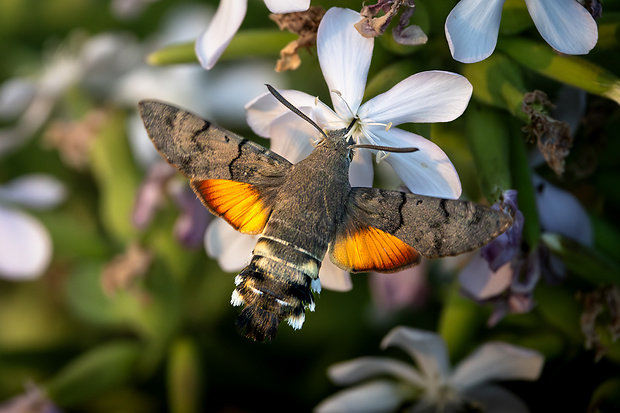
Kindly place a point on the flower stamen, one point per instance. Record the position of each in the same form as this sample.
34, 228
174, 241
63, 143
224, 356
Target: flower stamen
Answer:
381, 156
337, 93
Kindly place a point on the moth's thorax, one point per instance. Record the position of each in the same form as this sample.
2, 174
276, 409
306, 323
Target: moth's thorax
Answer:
312, 199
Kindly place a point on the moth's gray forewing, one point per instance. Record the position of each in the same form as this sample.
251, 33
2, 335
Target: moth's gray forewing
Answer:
202, 150
435, 227
217, 161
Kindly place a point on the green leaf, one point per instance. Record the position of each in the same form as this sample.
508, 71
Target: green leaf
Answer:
606, 397
184, 377
451, 138
489, 141
572, 70
150, 307
246, 43
86, 298
498, 82
559, 307
177, 53
93, 373
117, 178
459, 322
522, 182
519, 19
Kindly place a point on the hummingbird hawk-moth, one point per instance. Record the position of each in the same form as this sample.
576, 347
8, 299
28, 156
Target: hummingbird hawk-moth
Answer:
303, 210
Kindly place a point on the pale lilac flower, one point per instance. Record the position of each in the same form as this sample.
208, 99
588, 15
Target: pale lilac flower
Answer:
505, 276
227, 19
473, 25
432, 385
25, 244
32, 400
190, 226
393, 292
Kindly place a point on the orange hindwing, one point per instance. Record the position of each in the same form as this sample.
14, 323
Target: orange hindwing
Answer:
239, 203
370, 249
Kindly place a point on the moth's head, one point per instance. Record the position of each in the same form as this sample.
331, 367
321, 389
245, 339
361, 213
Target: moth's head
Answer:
340, 141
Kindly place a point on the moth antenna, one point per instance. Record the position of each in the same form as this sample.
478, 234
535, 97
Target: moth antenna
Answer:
384, 148
293, 109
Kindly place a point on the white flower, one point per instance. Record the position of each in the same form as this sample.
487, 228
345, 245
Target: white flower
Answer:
25, 244
425, 97
472, 27
228, 18
345, 56
433, 385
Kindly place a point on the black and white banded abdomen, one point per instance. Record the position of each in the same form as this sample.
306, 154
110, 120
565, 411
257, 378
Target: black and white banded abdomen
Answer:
277, 285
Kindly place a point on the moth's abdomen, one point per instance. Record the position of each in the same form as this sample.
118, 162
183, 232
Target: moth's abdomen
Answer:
276, 286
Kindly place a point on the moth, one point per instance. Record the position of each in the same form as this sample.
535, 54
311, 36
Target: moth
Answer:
305, 210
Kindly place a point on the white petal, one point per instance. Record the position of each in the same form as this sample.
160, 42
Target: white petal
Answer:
344, 55
356, 370
25, 246
425, 172
426, 348
497, 361
472, 28
560, 212
334, 278
565, 24
327, 118
231, 248
265, 108
287, 6
212, 42
38, 191
292, 137
372, 397
479, 281
427, 97
496, 399
15, 96
361, 170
